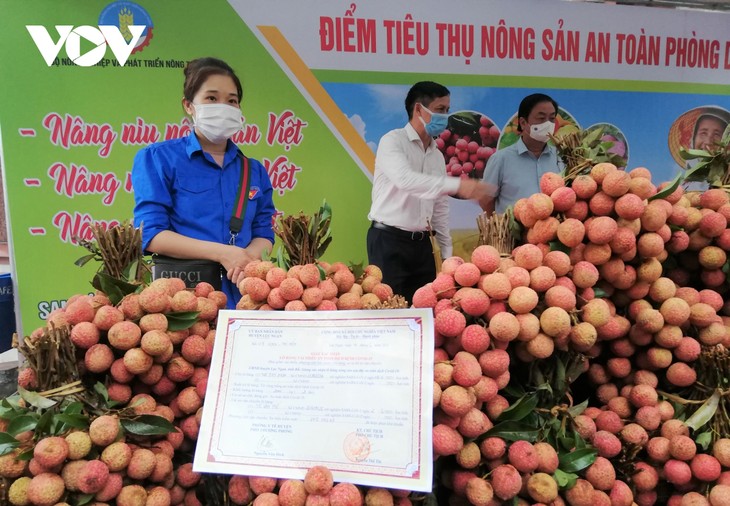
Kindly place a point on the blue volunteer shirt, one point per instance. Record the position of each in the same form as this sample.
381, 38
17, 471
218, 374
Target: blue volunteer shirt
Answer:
180, 188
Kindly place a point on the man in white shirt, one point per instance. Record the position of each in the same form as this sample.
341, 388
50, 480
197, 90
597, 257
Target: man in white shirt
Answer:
411, 191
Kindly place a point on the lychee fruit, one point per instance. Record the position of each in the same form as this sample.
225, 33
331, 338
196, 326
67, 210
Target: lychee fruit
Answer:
45, 489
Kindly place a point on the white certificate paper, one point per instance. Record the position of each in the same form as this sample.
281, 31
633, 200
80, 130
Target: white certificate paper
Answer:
350, 390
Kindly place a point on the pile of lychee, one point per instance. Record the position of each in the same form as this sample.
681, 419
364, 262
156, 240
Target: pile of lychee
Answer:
146, 367
311, 287
150, 367
316, 489
700, 241
590, 279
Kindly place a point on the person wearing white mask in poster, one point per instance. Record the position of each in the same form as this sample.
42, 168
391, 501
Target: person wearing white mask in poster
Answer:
187, 191
515, 171
411, 193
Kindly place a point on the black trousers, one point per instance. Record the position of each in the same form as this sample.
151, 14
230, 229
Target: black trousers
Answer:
407, 264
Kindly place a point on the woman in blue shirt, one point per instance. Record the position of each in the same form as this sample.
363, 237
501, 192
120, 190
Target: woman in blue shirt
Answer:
185, 189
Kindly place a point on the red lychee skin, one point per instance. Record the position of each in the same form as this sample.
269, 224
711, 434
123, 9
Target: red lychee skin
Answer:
474, 423
79, 310
318, 480
179, 369
607, 444
116, 456
492, 448
124, 335
609, 421
473, 301
682, 447
104, 430
84, 335
467, 371
45, 489
446, 440
547, 458
262, 484
475, 339
584, 426
92, 477
107, 316
239, 490
186, 477
677, 472
506, 481
111, 488
449, 323
190, 427
705, 467
194, 349
621, 494
486, 258
457, 401
98, 358
522, 456
645, 477
467, 274
601, 474
51, 451
291, 493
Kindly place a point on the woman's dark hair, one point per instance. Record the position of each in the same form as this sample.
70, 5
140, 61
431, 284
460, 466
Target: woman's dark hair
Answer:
199, 70
424, 92
528, 104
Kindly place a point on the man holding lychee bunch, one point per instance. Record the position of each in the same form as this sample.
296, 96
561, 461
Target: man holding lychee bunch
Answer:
410, 196
515, 171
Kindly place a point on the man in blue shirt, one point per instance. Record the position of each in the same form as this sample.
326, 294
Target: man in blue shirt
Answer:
515, 171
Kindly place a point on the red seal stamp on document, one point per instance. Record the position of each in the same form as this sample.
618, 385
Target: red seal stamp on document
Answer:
356, 447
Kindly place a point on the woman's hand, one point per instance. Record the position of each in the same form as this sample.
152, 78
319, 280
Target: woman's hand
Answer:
234, 260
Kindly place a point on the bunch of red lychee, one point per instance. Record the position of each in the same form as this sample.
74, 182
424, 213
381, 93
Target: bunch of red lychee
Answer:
316, 489
701, 241
145, 366
318, 287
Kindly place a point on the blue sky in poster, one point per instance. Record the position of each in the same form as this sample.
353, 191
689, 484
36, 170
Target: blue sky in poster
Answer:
645, 118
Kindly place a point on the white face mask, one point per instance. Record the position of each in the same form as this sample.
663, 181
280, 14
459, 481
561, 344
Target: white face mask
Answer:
541, 132
217, 122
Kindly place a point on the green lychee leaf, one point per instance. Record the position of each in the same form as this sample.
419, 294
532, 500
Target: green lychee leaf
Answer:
84, 260
670, 187
513, 390
7, 443
566, 443
520, 409
45, 423
114, 288
181, 320
22, 423
36, 399
77, 421
705, 412
84, 499
577, 460
565, 480
73, 408
100, 389
704, 440
513, 431
147, 425
691, 154
578, 408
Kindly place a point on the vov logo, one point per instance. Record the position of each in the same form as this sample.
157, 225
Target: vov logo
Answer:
70, 37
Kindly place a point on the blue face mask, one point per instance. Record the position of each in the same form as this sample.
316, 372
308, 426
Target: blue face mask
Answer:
439, 122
